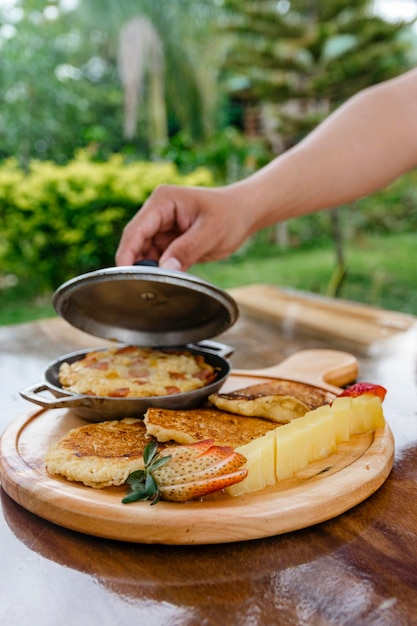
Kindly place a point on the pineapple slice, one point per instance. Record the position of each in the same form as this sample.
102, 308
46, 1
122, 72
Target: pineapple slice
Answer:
322, 432
288, 442
367, 414
304, 440
342, 411
291, 447
260, 464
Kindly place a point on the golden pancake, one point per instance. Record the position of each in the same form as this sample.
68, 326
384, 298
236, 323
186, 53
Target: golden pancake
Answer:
191, 425
99, 454
279, 401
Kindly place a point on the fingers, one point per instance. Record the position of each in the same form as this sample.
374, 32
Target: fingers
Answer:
191, 246
181, 226
150, 231
163, 222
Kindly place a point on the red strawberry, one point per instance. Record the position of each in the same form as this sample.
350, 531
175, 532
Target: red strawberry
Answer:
184, 492
361, 388
211, 463
182, 453
183, 473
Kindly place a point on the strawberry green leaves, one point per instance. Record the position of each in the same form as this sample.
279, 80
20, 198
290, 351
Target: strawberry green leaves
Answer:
141, 483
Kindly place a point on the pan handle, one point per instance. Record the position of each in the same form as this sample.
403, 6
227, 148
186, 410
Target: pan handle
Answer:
215, 347
31, 393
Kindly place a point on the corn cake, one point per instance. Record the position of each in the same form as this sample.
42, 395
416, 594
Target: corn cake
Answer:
192, 425
135, 372
279, 400
100, 454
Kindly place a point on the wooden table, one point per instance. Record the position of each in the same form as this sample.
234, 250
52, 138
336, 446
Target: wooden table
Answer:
357, 569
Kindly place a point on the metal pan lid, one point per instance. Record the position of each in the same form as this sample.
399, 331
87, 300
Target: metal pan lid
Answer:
145, 305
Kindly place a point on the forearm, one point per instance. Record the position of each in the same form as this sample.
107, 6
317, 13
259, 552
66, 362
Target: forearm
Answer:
359, 149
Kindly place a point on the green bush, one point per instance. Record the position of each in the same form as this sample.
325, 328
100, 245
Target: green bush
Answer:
58, 221
229, 154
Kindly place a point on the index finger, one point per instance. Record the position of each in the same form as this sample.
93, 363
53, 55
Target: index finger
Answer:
138, 234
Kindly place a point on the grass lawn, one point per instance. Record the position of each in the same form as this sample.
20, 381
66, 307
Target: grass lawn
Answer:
381, 271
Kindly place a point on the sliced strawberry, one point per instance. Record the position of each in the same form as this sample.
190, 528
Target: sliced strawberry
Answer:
216, 461
184, 492
361, 388
182, 473
189, 451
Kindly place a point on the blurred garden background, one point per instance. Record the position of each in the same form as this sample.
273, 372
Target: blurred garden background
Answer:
101, 101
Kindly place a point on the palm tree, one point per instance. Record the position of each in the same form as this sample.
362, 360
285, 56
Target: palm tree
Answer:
164, 60
140, 52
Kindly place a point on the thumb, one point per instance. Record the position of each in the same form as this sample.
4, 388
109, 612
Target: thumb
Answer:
184, 251
171, 263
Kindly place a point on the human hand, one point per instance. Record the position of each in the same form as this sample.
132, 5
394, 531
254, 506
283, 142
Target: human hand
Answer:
180, 226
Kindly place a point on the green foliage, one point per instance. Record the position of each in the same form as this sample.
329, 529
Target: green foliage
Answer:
391, 210
60, 87
229, 154
57, 221
19, 305
58, 91
307, 58
379, 271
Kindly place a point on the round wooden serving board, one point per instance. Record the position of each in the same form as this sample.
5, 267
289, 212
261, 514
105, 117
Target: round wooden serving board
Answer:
324, 490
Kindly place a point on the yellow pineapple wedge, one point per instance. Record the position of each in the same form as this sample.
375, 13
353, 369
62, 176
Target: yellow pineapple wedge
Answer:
291, 447
343, 417
367, 414
260, 462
